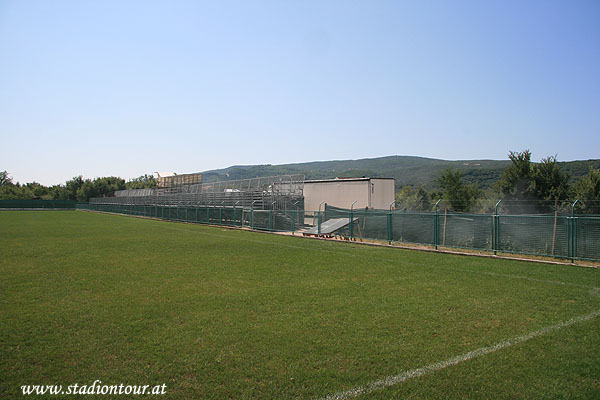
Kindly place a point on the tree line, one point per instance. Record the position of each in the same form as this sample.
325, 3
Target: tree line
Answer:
524, 187
76, 189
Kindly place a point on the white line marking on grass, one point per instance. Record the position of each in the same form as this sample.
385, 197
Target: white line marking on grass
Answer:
415, 373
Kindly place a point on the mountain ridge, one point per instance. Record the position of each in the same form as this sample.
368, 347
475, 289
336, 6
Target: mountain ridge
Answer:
406, 170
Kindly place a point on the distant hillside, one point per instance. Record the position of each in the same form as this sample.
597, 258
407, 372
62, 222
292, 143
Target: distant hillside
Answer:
406, 170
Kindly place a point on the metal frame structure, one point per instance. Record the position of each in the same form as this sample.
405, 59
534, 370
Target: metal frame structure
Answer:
284, 192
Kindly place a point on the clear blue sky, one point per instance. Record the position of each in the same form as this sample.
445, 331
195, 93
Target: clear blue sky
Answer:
125, 88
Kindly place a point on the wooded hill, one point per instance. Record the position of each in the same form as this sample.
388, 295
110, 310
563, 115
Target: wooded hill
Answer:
406, 170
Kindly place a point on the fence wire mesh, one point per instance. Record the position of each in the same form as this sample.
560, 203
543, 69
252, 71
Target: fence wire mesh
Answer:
37, 204
559, 236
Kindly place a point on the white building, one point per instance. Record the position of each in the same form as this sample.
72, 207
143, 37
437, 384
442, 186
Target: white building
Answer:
377, 193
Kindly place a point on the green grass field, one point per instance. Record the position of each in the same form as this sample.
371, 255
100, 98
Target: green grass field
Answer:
215, 314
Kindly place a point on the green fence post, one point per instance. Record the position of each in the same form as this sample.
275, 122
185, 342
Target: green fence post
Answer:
573, 233
352, 220
436, 219
389, 224
235, 214
251, 218
496, 228
186, 214
574, 238
390, 231
293, 215
498, 233
569, 238
493, 224
271, 217
319, 219
319, 223
435, 230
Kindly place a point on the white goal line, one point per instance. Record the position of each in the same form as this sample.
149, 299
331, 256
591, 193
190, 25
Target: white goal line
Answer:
404, 376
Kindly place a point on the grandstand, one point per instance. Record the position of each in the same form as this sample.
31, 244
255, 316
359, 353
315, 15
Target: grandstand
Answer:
283, 192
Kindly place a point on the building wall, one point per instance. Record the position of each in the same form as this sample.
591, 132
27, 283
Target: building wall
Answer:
383, 193
336, 193
374, 193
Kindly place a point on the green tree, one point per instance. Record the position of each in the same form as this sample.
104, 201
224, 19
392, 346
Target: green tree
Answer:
529, 187
5, 179
422, 200
141, 182
462, 197
587, 191
550, 185
11, 192
73, 185
516, 181
413, 199
58, 192
99, 187
34, 190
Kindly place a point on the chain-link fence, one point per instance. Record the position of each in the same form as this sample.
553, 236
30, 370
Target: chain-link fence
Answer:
37, 205
560, 236
268, 220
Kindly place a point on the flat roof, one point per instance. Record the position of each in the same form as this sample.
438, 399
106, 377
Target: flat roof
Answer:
343, 180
